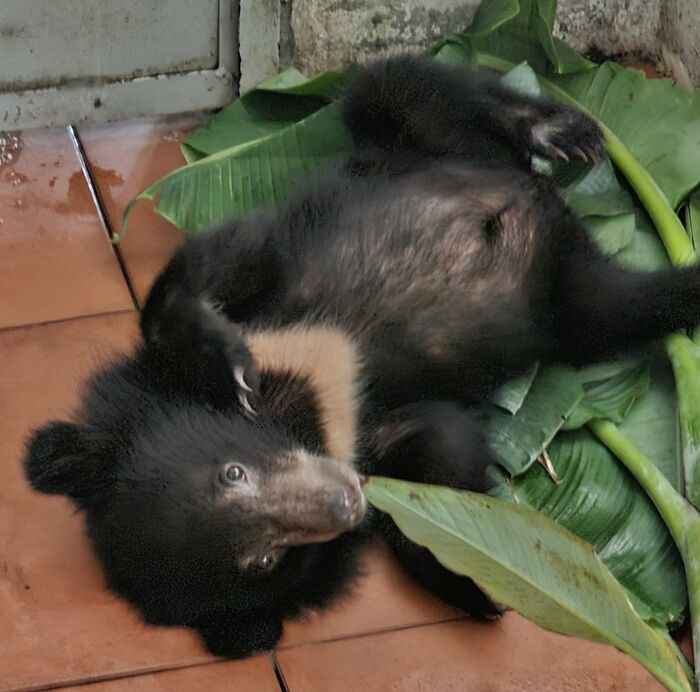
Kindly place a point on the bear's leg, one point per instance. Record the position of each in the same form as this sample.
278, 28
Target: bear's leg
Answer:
602, 309
435, 442
412, 104
215, 282
423, 568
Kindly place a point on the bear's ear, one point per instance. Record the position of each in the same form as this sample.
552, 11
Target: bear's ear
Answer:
66, 459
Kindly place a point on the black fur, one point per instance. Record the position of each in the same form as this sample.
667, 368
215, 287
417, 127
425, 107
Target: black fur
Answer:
450, 265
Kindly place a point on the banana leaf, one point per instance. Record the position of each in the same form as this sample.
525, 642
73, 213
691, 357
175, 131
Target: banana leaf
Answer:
652, 423
530, 563
258, 173
633, 107
597, 500
511, 396
272, 106
519, 439
610, 397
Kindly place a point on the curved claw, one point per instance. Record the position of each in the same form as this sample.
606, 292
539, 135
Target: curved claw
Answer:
558, 153
239, 376
243, 398
580, 153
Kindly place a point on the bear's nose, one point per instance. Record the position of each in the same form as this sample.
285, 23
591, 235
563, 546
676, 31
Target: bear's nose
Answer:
344, 506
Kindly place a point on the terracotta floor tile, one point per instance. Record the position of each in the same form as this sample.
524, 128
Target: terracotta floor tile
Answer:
385, 598
59, 623
512, 655
252, 675
56, 258
125, 158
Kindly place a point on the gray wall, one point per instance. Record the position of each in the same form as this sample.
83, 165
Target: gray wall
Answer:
124, 58
314, 35
72, 61
665, 31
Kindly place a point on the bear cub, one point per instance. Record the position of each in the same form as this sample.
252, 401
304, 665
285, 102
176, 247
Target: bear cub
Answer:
284, 355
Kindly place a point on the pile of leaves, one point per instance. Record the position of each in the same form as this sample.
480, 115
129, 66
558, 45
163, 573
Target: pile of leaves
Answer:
594, 531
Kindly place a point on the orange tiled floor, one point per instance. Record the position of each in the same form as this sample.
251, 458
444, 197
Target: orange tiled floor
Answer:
66, 305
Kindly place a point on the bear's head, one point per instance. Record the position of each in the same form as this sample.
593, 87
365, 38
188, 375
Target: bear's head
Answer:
198, 514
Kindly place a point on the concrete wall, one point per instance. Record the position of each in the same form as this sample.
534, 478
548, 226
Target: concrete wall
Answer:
126, 58
73, 61
665, 31
680, 36
314, 35
325, 30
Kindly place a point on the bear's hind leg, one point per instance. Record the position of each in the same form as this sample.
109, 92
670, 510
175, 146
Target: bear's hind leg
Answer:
441, 443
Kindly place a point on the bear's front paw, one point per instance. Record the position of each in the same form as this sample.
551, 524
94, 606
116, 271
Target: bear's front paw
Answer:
211, 352
224, 343
568, 134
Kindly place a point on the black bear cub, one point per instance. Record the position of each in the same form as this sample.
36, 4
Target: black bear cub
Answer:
284, 355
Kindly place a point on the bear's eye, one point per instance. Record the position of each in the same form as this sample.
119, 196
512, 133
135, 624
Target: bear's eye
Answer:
233, 474
265, 562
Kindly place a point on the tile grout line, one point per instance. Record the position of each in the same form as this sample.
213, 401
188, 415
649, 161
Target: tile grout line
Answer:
61, 320
113, 677
100, 208
278, 671
369, 633
272, 658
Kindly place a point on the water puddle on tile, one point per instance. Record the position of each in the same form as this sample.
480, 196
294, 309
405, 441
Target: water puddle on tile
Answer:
16, 179
107, 176
78, 200
10, 147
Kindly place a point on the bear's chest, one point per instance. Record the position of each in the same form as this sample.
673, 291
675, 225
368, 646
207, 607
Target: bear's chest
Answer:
312, 375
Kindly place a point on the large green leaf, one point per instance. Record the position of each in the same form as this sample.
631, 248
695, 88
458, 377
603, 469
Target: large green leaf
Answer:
611, 233
250, 118
519, 439
274, 105
598, 193
645, 250
598, 501
629, 104
515, 30
610, 396
607, 210
652, 423
249, 176
326, 86
491, 15
254, 152
537, 17
530, 563
511, 396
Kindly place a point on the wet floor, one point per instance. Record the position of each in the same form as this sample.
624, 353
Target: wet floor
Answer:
69, 300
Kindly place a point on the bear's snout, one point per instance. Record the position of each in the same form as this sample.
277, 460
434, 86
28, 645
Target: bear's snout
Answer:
347, 505
313, 499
